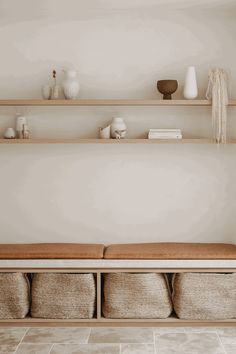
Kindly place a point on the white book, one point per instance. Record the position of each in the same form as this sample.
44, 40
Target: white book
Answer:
165, 130
175, 134
165, 137
164, 134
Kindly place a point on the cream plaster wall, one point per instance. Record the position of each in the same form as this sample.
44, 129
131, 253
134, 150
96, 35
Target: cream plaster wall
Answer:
75, 193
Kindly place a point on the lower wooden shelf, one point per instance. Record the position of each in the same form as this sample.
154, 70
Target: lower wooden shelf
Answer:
111, 141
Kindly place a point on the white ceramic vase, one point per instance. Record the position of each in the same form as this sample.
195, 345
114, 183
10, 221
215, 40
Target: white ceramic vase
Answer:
71, 85
20, 123
118, 128
47, 92
9, 133
190, 85
105, 133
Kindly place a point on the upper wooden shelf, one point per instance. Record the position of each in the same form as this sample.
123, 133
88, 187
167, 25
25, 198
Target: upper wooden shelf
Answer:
107, 102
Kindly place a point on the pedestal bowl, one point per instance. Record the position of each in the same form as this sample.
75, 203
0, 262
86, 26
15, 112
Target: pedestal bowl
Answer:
167, 88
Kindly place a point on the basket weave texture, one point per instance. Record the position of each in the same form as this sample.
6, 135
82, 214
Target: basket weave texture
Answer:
56, 295
204, 296
14, 295
129, 295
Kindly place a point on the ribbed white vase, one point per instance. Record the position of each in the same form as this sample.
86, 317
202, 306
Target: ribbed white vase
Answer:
190, 85
71, 85
118, 126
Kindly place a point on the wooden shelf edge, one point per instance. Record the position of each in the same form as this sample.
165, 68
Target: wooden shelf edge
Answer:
108, 102
103, 102
109, 141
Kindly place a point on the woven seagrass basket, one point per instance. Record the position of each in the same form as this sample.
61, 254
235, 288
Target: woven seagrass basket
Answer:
56, 295
204, 296
14, 295
136, 295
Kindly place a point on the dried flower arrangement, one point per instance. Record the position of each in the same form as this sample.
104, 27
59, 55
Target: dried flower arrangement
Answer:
218, 91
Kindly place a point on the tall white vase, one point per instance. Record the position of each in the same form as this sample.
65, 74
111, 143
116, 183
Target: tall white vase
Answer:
190, 85
71, 85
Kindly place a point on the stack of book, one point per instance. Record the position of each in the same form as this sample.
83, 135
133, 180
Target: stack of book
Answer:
165, 134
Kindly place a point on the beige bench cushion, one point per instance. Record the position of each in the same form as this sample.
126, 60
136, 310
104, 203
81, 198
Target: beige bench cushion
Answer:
171, 251
51, 251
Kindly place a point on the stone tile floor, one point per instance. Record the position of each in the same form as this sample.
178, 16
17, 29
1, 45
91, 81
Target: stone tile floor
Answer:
77, 340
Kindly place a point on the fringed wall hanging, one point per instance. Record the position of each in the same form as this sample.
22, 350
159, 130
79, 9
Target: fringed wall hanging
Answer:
217, 91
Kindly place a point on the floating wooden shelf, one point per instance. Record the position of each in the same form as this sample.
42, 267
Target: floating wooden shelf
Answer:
107, 102
110, 141
104, 102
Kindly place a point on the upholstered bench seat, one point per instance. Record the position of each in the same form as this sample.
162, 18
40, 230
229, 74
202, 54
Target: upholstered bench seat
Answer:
172, 251
126, 281
148, 251
51, 251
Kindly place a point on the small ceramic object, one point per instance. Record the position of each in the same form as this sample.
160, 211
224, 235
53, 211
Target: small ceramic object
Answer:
20, 122
47, 92
25, 131
167, 88
56, 89
118, 128
190, 86
56, 92
105, 133
70, 84
9, 133
119, 134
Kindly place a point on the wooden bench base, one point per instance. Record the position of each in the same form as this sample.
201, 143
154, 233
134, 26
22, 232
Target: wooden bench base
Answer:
104, 322
99, 321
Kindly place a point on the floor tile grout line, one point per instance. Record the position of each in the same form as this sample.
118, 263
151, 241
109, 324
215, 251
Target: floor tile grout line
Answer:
27, 329
221, 343
102, 343
85, 344
113, 343
81, 343
200, 332
154, 341
33, 343
89, 334
51, 349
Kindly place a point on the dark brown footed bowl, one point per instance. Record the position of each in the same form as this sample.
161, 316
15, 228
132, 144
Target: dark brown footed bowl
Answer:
167, 88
